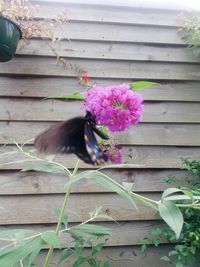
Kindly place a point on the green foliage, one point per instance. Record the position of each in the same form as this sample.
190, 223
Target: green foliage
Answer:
88, 231
64, 219
86, 235
10, 255
72, 96
89, 238
51, 238
172, 215
190, 33
105, 181
45, 167
185, 252
136, 86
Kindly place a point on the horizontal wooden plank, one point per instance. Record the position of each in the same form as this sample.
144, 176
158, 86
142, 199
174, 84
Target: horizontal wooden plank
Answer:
161, 134
137, 156
35, 66
56, 110
45, 87
95, 31
17, 183
110, 14
40, 209
142, 134
121, 256
123, 233
105, 50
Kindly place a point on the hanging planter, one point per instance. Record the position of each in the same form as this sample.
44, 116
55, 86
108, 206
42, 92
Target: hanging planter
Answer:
10, 34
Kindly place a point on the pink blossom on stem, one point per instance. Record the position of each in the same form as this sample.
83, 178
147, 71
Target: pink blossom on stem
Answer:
116, 107
114, 153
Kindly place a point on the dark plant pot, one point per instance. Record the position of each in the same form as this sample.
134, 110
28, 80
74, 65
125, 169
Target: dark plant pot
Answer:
10, 34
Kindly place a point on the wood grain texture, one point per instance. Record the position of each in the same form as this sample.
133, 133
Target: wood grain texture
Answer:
19, 183
95, 31
51, 86
141, 134
55, 110
107, 50
45, 66
110, 14
40, 209
114, 45
136, 156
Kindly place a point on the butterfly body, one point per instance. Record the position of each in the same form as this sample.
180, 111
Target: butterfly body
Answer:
74, 136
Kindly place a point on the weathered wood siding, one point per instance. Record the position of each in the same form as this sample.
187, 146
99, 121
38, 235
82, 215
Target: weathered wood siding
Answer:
114, 44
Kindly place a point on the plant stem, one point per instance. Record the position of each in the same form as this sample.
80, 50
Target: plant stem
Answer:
149, 202
28, 154
67, 195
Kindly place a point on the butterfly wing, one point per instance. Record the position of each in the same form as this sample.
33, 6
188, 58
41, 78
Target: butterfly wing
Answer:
73, 136
62, 137
96, 153
65, 137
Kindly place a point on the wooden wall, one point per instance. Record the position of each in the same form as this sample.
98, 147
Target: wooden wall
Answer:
114, 44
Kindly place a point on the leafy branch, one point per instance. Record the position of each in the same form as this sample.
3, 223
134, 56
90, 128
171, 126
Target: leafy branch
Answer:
185, 251
169, 206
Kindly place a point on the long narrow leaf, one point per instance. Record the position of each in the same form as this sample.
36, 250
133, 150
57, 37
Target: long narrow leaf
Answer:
74, 95
170, 191
10, 234
105, 181
136, 86
182, 197
13, 255
45, 167
89, 231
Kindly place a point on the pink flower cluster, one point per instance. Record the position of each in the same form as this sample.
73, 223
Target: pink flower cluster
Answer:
114, 153
116, 107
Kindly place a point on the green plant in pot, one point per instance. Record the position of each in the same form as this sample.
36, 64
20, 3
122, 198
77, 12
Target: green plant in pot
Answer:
10, 34
17, 22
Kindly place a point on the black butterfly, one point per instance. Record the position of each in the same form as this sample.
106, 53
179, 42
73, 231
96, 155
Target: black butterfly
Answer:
74, 136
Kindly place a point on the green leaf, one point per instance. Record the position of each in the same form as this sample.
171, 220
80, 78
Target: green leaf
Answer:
106, 264
170, 191
143, 248
178, 264
51, 238
156, 242
172, 253
89, 231
11, 234
188, 193
46, 167
79, 261
10, 255
181, 197
172, 215
65, 254
97, 248
93, 262
75, 95
28, 261
57, 212
19, 236
50, 157
146, 241
105, 181
165, 258
156, 231
136, 86
128, 186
